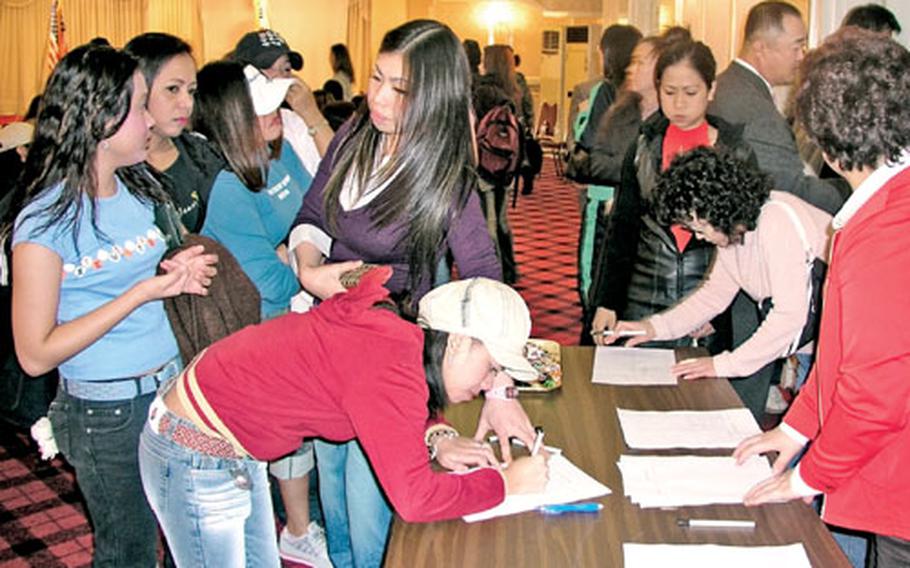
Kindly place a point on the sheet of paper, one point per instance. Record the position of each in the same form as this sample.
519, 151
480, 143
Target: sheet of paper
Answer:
648, 430
633, 366
567, 484
677, 481
704, 555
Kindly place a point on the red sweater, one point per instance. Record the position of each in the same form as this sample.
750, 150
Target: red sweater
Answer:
340, 371
856, 404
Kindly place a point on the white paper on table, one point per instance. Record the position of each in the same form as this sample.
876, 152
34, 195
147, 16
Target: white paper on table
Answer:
633, 366
677, 481
648, 430
567, 483
707, 555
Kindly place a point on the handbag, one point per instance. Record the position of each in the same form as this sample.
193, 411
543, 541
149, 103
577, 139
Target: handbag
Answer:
816, 270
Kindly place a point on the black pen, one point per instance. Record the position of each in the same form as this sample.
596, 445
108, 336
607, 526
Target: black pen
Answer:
714, 524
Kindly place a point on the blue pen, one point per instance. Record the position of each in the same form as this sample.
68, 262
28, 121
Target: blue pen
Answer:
570, 508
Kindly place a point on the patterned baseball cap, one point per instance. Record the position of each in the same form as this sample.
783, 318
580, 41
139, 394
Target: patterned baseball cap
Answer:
263, 47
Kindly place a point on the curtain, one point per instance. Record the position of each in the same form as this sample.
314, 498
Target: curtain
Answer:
24, 29
182, 18
358, 41
23, 49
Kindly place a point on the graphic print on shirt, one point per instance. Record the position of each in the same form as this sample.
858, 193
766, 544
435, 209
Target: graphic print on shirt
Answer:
112, 254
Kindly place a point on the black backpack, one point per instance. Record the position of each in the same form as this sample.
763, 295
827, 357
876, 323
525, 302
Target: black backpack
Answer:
498, 145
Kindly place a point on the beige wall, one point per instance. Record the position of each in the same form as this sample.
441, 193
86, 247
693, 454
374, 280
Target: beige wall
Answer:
309, 26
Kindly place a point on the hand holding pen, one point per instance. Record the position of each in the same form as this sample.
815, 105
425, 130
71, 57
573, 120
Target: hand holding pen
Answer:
635, 332
530, 474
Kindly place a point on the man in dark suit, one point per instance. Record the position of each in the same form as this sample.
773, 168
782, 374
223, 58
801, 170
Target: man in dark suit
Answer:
774, 45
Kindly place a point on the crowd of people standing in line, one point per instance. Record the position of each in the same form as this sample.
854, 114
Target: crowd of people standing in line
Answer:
144, 183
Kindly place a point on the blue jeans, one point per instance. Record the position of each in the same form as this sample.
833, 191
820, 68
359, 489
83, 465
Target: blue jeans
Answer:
208, 518
855, 546
99, 439
357, 515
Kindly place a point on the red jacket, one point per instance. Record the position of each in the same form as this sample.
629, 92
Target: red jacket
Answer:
856, 404
340, 371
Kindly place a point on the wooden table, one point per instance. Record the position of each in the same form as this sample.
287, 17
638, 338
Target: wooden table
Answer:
581, 419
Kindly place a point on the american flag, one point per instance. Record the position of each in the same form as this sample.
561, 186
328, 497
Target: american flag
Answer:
261, 11
56, 40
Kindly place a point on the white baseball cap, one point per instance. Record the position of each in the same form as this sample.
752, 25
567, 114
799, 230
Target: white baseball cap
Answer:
267, 94
486, 310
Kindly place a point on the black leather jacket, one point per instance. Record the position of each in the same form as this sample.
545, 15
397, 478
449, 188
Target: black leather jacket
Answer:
644, 272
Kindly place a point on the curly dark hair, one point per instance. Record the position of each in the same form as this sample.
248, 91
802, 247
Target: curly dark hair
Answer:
852, 100
719, 188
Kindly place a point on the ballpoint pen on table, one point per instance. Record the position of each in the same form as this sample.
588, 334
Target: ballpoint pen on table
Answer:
570, 508
620, 333
715, 524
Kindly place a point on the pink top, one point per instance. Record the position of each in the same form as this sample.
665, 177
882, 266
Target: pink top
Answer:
769, 263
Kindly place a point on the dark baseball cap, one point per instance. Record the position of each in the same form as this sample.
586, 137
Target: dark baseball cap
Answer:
263, 47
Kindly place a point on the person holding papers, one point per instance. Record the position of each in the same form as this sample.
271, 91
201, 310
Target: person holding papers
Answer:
854, 408
346, 369
767, 242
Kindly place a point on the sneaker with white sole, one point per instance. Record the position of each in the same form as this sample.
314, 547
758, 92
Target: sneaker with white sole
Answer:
309, 548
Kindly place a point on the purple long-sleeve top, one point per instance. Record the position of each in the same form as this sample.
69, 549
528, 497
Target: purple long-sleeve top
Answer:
357, 238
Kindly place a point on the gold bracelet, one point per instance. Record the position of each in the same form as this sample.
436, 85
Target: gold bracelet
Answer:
439, 427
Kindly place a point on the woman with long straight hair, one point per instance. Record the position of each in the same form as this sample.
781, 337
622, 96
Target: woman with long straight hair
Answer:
252, 207
343, 69
497, 87
86, 298
397, 187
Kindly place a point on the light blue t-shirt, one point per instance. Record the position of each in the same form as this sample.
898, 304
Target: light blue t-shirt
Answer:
126, 250
252, 224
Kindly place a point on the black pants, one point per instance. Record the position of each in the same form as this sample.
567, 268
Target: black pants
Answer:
753, 390
890, 552
495, 205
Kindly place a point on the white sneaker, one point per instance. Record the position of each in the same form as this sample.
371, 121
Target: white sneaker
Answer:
309, 548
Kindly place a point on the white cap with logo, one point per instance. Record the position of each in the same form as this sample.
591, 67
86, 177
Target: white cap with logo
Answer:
267, 94
486, 310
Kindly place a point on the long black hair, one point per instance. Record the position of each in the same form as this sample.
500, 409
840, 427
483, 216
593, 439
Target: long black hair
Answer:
224, 114
341, 60
432, 169
86, 100
434, 349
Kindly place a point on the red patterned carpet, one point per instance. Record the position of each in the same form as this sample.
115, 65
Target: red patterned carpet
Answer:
545, 225
42, 520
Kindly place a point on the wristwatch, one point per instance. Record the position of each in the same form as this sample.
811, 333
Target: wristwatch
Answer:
504, 392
